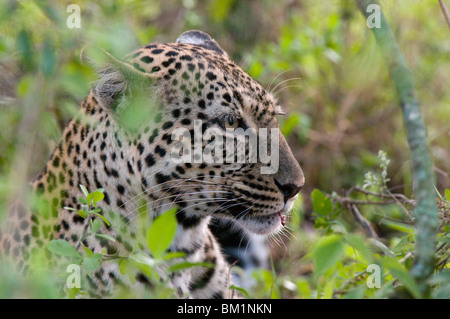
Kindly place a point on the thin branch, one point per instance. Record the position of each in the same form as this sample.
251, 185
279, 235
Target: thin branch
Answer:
445, 12
364, 222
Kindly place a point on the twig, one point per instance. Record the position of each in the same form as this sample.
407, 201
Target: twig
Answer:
441, 172
398, 196
364, 222
347, 200
445, 12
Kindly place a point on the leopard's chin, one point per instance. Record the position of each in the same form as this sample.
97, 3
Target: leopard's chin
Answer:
262, 224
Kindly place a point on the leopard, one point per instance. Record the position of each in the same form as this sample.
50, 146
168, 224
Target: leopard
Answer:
172, 85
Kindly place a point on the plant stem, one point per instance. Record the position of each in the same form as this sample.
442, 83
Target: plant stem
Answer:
425, 212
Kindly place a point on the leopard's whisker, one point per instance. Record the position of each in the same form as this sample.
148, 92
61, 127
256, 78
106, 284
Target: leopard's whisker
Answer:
291, 79
229, 200
276, 77
145, 192
173, 195
204, 200
285, 88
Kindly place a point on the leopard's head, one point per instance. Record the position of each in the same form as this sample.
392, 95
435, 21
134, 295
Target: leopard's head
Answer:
214, 148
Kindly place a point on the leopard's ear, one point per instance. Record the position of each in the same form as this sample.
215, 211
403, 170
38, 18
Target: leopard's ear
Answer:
202, 39
116, 81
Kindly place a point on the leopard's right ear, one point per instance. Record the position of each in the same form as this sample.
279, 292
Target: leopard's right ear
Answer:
202, 39
117, 80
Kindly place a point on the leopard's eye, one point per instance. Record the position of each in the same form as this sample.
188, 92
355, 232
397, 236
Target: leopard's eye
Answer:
230, 122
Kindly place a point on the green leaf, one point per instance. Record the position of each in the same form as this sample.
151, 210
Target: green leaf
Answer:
88, 252
174, 254
447, 195
241, 290
105, 236
328, 290
219, 9
126, 268
322, 205
358, 243
186, 264
72, 292
63, 248
84, 190
143, 259
102, 217
84, 212
290, 123
398, 271
327, 252
96, 225
161, 233
304, 289
145, 264
399, 226
91, 263
357, 293
94, 197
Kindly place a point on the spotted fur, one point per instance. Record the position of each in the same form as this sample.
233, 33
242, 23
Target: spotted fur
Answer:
192, 79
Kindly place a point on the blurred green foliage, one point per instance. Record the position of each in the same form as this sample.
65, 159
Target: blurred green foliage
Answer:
317, 57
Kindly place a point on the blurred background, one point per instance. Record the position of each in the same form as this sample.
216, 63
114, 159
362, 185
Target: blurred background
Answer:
318, 58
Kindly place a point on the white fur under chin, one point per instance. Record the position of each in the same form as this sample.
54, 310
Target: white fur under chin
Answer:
267, 224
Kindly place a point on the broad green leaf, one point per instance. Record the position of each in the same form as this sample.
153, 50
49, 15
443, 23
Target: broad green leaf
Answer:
400, 246
62, 248
96, 225
124, 266
145, 264
143, 259
304, 289
358, 243
161, 233
322, 205
94, 197
398, 271
88, 252
328, 290
126, 269
327, 252
72, 292
91, 263
442, 281
290, 123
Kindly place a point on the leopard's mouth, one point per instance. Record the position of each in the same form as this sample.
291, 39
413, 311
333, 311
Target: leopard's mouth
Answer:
265, 224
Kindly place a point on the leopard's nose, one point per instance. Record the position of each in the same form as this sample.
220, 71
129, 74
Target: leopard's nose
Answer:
288, 190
